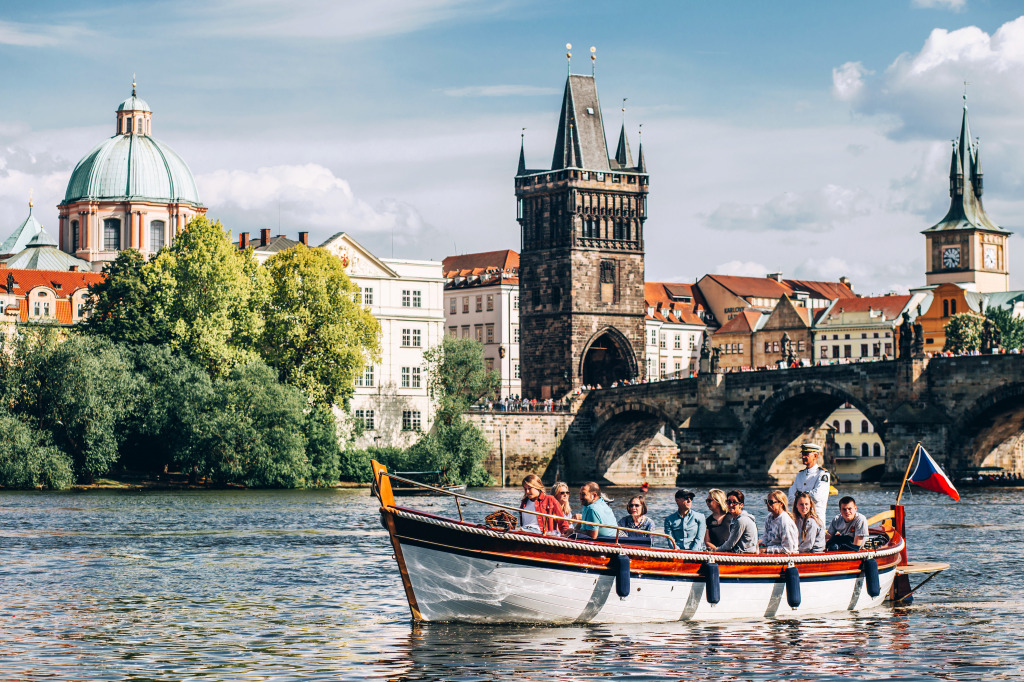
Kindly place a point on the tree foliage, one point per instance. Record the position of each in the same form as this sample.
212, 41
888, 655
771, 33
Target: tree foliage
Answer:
1011, 329
131, 304
28, 460
316, 335
963, 332
457, 376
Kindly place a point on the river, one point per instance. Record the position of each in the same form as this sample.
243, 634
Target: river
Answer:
282, 585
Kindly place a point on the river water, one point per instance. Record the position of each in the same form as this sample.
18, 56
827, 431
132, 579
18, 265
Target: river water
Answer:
263, 585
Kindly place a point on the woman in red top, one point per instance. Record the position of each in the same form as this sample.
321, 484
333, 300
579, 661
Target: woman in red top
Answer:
538, 501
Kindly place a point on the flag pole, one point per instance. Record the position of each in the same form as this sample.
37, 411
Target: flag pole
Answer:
907, 475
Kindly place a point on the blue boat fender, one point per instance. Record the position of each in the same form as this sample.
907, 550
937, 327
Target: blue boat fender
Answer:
870, 568
713, 587
792, 575
622, 575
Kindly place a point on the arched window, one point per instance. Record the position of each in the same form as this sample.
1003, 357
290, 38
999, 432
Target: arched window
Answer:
864, 428
952, 306
74, 235
863, 449
112, 234
835, 425
849, 426
156, 235
848, 450
945, 307
878, 449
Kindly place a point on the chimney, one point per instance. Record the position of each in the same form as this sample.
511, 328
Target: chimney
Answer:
304, 238
777, 276
243, 240
846, 280
264, 236
3, 265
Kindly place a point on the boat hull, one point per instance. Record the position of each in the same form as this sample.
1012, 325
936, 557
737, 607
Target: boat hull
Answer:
460, 572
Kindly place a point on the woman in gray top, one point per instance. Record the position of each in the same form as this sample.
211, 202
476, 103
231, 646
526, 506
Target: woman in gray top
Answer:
809, 526
742, 530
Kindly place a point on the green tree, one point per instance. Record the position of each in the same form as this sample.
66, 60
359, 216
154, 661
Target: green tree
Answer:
131, 305
28, 460
323, 450
1011, 329
219, 291
457, 376
963, 332
315, 334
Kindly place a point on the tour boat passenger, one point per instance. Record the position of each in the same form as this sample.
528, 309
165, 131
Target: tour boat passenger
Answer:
561, 493
848, 530
687, 527
780, 535
742, 528
636, 519
536, 500
812, 479
809, 526
718, 520
595, 510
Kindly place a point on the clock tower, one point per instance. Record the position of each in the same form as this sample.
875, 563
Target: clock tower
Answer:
966, 247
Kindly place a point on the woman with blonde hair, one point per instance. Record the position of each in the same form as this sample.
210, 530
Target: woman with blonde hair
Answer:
561, 493
810, 528
537, 501
780, 535
718, 520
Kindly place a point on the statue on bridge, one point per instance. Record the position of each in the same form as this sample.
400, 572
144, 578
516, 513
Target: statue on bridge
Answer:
715, 352
906, 337
788, 357
705, 354
991, 338
918, 341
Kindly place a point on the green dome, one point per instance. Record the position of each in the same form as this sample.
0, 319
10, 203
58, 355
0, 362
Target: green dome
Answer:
133, 167
134, 103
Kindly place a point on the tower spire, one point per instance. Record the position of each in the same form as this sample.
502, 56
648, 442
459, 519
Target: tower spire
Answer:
640, 165
522, 152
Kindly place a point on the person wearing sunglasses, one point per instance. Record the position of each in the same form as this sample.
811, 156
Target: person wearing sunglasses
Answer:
686, 526
636, 519
780, 534
718, 520
742, 529
561, 493
535, 499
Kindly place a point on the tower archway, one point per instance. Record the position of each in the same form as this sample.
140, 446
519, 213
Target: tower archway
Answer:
607, 358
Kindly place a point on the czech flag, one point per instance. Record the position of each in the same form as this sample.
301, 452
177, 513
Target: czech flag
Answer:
930, 476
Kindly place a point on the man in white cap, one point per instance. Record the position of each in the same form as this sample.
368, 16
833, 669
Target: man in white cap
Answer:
813, 479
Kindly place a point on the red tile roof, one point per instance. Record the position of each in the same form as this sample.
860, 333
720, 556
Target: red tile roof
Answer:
665, 297
481, 263
766, 287
891, 306
827, 290
743, 322
64, 282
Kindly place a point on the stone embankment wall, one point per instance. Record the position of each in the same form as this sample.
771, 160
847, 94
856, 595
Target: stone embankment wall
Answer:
529, 441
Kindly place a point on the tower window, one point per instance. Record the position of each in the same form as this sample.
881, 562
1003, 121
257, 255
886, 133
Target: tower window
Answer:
607, 272
156, 235
111, 234
74, 235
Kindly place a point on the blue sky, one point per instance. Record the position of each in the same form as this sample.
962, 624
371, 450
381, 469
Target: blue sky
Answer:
810, 138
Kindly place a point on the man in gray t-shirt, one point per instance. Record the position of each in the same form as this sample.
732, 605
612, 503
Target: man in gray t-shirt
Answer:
848, 530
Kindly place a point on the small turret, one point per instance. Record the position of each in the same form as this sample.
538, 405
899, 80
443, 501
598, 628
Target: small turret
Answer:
623, 156
522, 156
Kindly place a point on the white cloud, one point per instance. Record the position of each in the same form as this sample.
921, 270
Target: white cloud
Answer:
817, 210
499, 91
38, 35
848, 80
309, 196
740, 269
955, 5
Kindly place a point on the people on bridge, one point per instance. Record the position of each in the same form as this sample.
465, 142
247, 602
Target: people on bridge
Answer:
812, 479
810, 528
742, 527
687, 527
536, 500
561, 493
780, 534
718, 520
636, 519
595, 510
848, 530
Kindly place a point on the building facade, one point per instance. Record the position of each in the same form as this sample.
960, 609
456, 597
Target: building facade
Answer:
54, 297
481, 301
130, 191
407, 297
582, 260
859, 329
674, 327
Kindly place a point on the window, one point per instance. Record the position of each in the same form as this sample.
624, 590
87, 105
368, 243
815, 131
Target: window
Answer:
849, 426
366, 378
767, 346
515, 302
654, 336
693, 342
410, 420
367, 295
888, 349
411, 338
452, 305
835, 425
365, 417
739, 348
490, 333
864, 450
465, 331
453, 332
846, 336
411, 298
111, 234
677, 342
801, 346
848, 450
74, 235
515, 334
515, 370
863, 350
410, 377
490, 364
465, 304
775, 346
478, 332
945, 308
661, 340
679, 366
490, 301
864, 428
952, 306
878, 450
81, 310
848, 351
824, 352
156, 235
479, 304
835, 352
661, 368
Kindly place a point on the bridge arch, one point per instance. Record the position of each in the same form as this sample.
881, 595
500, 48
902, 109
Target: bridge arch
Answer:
628, 446
607, 357
991, 425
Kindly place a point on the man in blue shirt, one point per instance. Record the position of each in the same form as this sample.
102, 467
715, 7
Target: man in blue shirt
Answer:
596, 510
686, 526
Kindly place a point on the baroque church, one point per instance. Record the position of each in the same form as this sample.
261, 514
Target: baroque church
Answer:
581, 276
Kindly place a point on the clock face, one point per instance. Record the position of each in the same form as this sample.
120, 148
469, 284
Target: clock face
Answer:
951, 257
990, 256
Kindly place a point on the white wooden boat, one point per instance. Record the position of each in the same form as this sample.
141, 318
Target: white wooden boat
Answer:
456, 570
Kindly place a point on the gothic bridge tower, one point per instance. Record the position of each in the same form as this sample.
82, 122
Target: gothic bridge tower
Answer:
581, 273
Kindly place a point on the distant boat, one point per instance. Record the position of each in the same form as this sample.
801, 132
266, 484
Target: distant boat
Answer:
454, 569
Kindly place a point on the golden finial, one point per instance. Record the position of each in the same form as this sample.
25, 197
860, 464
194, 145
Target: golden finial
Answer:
30, 193
593, 60
568, 57
133, 85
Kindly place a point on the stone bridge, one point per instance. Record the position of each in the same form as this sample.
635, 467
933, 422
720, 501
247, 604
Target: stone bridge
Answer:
733, 427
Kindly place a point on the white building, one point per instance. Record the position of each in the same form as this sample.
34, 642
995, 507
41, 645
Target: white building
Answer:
406, 296
481, 301
859, 329
674, 327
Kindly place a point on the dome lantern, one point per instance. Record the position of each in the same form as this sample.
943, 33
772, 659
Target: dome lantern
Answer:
133, 115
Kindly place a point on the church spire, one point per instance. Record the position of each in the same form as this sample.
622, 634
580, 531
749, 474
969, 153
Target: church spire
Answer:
522, 153
580, 140
623, 156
